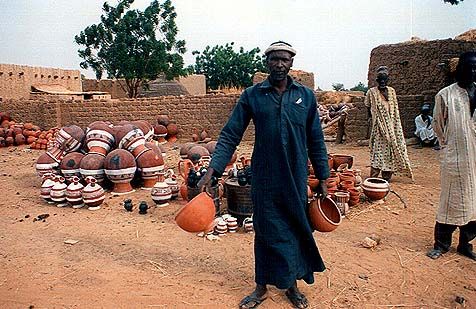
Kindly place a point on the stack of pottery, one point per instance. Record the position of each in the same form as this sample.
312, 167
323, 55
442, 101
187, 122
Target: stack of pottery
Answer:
58, 192
221, 227
47, 184
248, 225
93, 194
74, 193
161, 192
332, 182
354, 198
92, 164
70, 165
120, 167
99, 138
375, 188
232, 224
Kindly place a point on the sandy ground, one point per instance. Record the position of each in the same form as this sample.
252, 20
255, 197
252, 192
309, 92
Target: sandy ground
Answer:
127, 260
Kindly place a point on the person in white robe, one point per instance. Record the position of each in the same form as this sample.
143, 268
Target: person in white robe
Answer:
455, 125
424, 130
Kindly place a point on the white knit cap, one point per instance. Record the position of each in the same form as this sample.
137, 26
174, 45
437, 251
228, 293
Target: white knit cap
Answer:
280, 45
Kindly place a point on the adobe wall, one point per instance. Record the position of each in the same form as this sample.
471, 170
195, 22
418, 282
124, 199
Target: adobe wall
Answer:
112, 86
195, 84
302, 77
417, 67
16, 80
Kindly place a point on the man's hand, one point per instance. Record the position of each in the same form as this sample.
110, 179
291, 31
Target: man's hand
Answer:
321, 190
206, 181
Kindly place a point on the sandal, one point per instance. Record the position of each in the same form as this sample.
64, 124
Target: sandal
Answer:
251, 301
298, 299
434, 253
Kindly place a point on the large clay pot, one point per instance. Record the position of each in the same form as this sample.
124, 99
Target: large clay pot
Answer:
69, 138
70, 164
46, 164
156, 148
146, 128
93, 194
92, 164
375, 188
324, 215
74, 193
198, 152
210, 146
99, 138
340, 159
130, 138
172, 131
197, 215
163, 120
150, 164
160, 132
184, 150
161, 192
120, 167
47, 184
58, 192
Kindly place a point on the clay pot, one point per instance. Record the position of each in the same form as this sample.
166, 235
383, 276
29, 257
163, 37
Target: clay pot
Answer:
92, 164
70, 164
197, 215
330, 161
203, 135
171, 181
196, 153
160, 132
150, 164
120, 167
47, 184
74, 193
20, 139
58, 192
130, 138
99, 138
69, 138
146, 128
184, 192
45, 164
313, 183
347, 176
340, 159
163, 120
161, 192
93, 194
331, 183
375, 188
210, 146
324, 215
172, 130
346, 184
185, 148
155, 148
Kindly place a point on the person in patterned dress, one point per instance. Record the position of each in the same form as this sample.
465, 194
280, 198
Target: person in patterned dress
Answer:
388, 151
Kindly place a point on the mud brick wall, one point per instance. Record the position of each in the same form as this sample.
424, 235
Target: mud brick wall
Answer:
107, 85
357, 126
417, 67
16, 80
189, 112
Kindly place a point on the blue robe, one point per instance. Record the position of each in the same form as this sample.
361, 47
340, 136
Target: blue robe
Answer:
287, 132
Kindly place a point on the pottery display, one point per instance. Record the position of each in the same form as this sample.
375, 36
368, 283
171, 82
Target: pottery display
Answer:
99, 138
58, 192
74, 193
92, 164
150, 164
375, 188
324, 215
340, 159
46, 185
70, 164
161, 192
120, 167
197, 215
45, 164
232, 224
93, 194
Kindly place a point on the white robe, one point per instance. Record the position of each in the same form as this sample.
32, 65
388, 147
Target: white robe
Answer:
456, 131
423, 131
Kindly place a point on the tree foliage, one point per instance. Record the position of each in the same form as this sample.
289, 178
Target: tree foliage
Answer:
455, 2
225, 68
338, 87
360, 87
134, 45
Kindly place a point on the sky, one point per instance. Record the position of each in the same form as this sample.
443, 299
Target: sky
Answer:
333, 39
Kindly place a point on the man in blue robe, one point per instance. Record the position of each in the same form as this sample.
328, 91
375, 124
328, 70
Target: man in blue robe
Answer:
287, 132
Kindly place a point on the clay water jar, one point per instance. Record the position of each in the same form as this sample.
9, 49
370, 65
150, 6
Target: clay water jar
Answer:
324, 215
347, 176
375, 188
99, 137
211, 146
340, 159
346, 184
150, 164
145, 127
92, 164
120, 167
69, 166
196, 153
69, 138
197, 215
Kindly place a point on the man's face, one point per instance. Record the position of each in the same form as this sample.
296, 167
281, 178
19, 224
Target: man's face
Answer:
279, 63
469, 70
382, 80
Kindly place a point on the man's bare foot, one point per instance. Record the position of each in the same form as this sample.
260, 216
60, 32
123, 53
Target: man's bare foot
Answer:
254, 299
296, 297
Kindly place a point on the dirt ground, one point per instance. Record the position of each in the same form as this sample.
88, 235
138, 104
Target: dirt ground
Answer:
127, 260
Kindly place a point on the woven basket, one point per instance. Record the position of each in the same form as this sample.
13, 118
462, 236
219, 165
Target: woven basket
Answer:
238, 199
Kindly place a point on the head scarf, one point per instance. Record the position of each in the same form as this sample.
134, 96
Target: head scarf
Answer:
382, 70
280, 45
425, 106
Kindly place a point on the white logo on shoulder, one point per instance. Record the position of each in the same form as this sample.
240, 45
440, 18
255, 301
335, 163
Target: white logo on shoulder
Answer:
299, 101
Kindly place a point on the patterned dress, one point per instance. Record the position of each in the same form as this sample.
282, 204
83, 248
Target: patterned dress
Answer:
456, 131
388, 151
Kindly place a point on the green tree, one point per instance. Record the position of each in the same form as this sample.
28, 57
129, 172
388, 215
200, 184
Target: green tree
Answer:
360, 87
338, 87
134, 45
223, 67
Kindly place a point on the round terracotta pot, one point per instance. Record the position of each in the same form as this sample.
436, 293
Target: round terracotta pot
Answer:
150, 164
196, 153
130, 138
172, 129
92, 164
160, 132
146, 128
93, 194
46, 164
324, 215
69, 138
375, 188
120, 167
210, 146
163, 120
74, 193
99, 138
185, 148
70, 164
197, 215
340, 159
